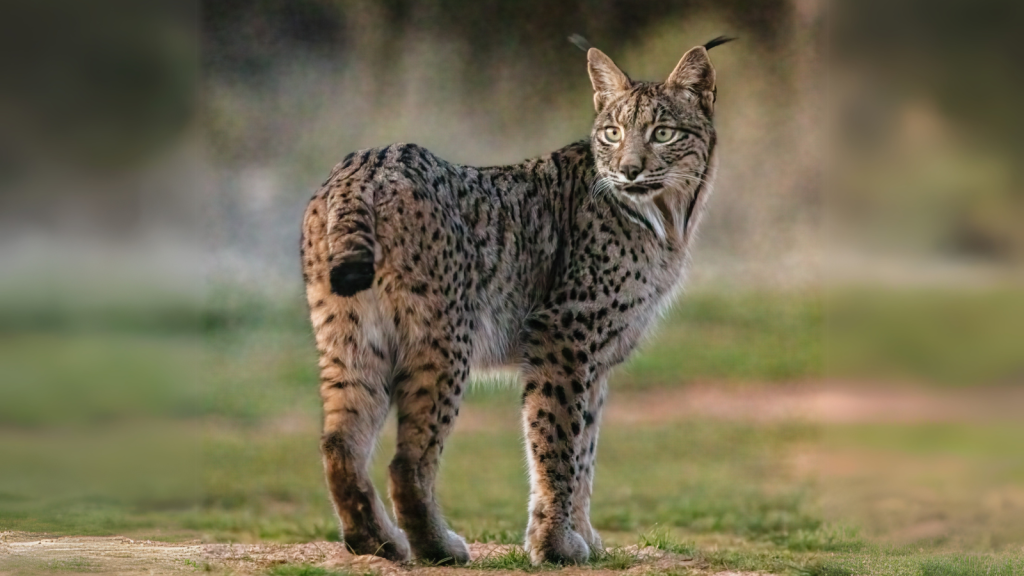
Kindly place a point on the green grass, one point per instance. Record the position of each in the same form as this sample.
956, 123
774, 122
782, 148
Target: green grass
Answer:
825, 538
864, 559
823, 568
230, 483
515, 558
616, 558
971, 565
310, 570
660, 538
208, 427
712, 491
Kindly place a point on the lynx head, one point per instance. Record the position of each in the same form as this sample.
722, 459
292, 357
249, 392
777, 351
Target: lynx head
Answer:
650, 137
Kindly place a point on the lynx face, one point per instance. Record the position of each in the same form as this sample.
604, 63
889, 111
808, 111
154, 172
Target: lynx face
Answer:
652, 137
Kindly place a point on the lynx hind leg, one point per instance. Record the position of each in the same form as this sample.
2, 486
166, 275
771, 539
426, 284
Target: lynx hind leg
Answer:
428, 398
354, 390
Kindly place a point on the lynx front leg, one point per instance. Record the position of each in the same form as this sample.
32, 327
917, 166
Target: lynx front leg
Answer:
428, 403
555, 405
583, 482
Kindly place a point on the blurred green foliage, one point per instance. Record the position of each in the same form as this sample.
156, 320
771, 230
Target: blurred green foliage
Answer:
246, 358
942, 336
733, 336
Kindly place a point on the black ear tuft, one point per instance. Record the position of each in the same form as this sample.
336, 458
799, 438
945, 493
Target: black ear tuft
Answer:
718, 42
580, 42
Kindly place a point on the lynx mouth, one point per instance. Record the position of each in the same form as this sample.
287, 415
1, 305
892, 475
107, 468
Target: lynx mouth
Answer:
641, 190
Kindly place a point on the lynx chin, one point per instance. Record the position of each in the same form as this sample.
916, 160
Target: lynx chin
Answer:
418, 270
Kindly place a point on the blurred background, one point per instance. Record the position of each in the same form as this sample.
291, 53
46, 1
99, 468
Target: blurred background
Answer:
846, 368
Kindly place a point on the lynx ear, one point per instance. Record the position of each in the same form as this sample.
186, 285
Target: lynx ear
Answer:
606, 77
695, 74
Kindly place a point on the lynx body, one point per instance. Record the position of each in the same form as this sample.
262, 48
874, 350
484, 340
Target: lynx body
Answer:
418, 271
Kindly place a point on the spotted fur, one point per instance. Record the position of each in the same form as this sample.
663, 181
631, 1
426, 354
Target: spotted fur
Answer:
418, 270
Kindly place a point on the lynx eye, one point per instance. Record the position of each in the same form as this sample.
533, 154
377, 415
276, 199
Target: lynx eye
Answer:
663, 134
612, 134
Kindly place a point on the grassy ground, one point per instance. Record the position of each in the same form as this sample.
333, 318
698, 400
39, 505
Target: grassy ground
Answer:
206, 427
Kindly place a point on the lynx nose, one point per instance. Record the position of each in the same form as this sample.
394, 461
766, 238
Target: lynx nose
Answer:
630, 171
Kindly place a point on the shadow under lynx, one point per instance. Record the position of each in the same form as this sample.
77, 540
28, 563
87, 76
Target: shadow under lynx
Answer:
418, 270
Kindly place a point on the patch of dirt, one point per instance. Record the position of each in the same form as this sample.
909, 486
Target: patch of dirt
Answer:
824, 403
23, 553
27, 553
827, 404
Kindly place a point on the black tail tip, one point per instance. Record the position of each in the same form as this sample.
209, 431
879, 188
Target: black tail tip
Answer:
718, 41
351, 278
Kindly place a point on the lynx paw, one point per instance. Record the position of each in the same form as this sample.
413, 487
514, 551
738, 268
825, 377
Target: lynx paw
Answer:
451, 550
559, 547
394, 547
592, 538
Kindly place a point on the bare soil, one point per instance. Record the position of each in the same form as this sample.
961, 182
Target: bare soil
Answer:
22, 553
832, 403
825, 404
